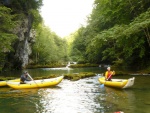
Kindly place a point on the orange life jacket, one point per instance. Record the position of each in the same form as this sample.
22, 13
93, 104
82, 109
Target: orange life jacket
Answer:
108, 74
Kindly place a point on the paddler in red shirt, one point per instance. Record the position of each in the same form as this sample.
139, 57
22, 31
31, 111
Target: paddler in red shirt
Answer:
108, 74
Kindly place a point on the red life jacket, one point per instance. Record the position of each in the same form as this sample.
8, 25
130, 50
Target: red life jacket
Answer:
109, 75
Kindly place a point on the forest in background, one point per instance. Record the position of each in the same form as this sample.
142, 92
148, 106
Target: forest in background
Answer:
117, 33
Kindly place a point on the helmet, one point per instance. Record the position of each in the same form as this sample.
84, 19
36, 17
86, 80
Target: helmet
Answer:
108, 68
25, 72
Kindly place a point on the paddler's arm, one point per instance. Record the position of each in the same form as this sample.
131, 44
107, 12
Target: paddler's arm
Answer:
113, 72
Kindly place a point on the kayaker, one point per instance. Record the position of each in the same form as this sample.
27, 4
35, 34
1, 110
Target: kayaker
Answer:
24, 78
109, 73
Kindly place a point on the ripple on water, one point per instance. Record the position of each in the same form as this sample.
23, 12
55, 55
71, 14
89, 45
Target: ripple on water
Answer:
83, 96
73, 97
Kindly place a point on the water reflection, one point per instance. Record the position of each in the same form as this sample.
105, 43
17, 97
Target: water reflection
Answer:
73, 97
83, 96
17, 101
113, 100
63, 68
48, 71
11, 93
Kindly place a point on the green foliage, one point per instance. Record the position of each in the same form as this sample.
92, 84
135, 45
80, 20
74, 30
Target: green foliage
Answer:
48, 48
6, 32
23, 6
117, 33
78, 47
36, 18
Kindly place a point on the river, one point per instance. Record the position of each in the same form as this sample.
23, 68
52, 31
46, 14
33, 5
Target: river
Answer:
82, 96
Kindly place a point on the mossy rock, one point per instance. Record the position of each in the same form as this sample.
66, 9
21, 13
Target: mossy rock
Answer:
78, 76
6, 78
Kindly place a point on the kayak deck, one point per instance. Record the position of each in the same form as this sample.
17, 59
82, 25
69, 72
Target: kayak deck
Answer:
36, 83
118, 83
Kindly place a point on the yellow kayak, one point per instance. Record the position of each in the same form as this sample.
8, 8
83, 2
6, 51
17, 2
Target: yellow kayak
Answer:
4, 83
36, 83
117, 83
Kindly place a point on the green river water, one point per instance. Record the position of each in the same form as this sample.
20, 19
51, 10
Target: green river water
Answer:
82, 96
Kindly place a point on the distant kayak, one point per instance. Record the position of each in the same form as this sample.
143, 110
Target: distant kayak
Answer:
118, 83
4, 83
36, 83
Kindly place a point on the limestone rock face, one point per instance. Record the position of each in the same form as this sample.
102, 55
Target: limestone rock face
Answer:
22, 47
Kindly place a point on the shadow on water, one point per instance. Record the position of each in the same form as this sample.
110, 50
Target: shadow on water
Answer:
10, 93
112, 100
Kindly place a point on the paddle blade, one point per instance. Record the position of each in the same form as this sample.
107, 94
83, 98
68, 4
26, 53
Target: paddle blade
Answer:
101, 85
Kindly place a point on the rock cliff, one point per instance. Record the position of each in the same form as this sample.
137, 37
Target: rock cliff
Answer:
22, 46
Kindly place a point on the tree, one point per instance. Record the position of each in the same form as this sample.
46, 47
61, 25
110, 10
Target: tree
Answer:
48, 47
6, 32
117, 33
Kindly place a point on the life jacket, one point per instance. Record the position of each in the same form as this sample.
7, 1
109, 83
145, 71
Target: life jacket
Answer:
108, 74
